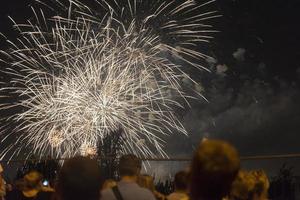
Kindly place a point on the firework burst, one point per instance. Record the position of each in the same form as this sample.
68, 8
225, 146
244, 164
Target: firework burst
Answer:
87, 71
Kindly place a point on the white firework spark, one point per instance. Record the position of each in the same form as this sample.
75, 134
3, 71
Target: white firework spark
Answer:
82, 75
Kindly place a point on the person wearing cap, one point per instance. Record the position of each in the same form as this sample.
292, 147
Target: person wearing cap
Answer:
30, 187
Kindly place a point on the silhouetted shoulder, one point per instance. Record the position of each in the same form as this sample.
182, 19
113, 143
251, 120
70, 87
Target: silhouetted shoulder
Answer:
107, 195
148, 195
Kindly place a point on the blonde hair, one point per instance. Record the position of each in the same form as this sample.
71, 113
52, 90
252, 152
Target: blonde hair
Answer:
214, 167
249, 184
262, 183
243, 186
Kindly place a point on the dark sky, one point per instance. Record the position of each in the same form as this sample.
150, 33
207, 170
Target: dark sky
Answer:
268, 31
255, 102
254, 85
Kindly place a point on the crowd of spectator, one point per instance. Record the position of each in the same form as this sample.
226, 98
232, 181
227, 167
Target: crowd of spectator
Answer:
214, 174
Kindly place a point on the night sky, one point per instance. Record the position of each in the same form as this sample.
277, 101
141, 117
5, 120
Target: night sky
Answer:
253, 89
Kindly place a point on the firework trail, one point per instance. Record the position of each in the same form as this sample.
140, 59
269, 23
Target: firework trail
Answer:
89, 70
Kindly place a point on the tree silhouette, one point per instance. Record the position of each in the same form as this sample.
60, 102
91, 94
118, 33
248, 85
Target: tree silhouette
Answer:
282, 186
109, 151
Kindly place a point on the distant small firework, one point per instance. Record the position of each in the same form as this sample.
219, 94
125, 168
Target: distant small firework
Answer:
55, 138
88, 150
90, 70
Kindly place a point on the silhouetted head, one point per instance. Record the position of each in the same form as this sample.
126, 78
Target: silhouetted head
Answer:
243, 186
130, 165
181, 180
79, 179
214, 167
262, 184
250, 185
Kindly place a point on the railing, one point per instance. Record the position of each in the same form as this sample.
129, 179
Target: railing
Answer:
243, 158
